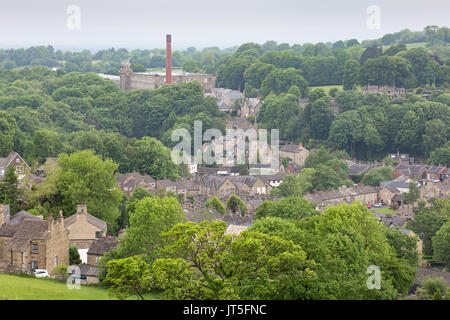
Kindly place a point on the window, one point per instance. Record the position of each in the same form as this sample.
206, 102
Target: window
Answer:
34, 248
56, 261
34, 264
19, 169
17, 160
2, 172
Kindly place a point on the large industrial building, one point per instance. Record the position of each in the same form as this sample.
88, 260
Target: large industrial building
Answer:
130, 80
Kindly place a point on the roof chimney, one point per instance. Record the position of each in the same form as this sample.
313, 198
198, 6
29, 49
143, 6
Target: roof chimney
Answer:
168, 59
300, 145
82, 208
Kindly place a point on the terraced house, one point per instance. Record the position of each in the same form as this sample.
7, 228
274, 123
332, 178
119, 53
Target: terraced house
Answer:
30, 243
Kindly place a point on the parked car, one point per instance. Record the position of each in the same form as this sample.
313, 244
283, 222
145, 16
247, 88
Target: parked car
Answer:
41, 273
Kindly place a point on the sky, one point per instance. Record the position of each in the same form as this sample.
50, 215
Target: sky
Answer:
97, 24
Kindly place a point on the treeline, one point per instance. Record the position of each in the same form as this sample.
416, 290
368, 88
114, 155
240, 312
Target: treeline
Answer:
109, 60
366, 126
44, 113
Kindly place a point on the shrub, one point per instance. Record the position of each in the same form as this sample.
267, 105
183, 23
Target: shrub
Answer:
60, 272
435, 287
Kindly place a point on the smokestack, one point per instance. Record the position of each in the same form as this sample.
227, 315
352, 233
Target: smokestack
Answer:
168, 59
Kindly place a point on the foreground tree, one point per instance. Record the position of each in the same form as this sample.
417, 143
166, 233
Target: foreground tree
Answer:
128, 277
344, 241
201, 262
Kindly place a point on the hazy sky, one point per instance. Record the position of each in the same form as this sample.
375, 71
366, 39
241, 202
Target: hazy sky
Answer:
201, 23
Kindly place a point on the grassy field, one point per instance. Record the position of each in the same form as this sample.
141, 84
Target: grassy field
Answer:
410, 45
328, 88
17, 287
383, 210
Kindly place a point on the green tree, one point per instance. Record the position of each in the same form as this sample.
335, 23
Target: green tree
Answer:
351, 74
74, 256
86, 178
46, 143
215, 203
441, 244
428, 220
151, 217
235, 204
436, 135
8, 129
413, 193
377, 175
9, 189
150, 156
201, 262
128, 277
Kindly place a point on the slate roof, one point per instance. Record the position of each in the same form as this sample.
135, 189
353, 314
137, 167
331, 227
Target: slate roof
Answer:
4, 162
237, 219
136, 177
355, 169
436, 170
22, 215
25, 232
90, 218
341, 193
235, 229
103, 245
293, 148
396, 184
88, 270
207, 171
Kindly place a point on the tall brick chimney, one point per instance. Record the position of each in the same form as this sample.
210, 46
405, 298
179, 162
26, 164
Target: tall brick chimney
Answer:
168, 59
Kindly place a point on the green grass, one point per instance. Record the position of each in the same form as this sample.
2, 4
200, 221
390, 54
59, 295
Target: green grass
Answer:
328, 88
410, 45
22, 287
383, 210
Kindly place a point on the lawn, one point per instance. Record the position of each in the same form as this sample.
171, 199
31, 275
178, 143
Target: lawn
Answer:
21, 287
410, 45
328, 88
383, 210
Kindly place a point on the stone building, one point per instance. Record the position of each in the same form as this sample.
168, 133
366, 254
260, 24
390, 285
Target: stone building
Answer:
13, 159
99, 247
359, 192
84, 228
391, 92
128, 182
296, 153
32, 244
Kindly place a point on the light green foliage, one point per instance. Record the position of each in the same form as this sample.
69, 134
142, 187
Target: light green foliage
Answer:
86, 178
295, 208
235, 204
151, 217
441, 244
435, 287
127, 277
428, 220
215, 203
344, 241
377, 175
203, 263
